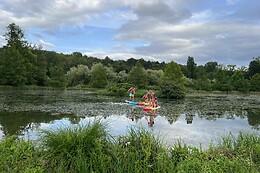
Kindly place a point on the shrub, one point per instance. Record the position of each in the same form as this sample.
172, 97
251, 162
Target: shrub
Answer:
171, 90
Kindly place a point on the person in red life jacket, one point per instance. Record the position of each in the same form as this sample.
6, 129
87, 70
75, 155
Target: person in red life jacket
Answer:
132, 93
145, 97
151, 98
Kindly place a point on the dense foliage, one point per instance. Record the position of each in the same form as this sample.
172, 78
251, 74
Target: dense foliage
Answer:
90, 148
24, 64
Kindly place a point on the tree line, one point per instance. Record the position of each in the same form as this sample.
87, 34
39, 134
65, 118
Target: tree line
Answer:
22, 63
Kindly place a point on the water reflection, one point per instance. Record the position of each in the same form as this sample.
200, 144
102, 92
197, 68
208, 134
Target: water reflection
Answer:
254, 118
19, 122
149, 117
189, 117
196, 117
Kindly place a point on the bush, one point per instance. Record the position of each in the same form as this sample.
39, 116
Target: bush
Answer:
119, 89
171, 90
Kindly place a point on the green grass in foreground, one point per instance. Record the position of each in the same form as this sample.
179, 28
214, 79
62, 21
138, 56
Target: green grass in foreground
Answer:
91, 149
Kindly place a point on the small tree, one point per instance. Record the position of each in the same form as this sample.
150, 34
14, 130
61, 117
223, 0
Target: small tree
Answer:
111, 75
254, 67
98, 76
172, 82
255, 82
57, 77
78, 75
172, 72
122, 77
138, 76
154, 77
191, 67
171, 90
211, 69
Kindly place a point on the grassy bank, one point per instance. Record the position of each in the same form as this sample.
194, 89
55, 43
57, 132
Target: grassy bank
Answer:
90, 148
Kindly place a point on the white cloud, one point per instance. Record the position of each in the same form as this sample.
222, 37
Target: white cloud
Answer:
45, 44
221, 30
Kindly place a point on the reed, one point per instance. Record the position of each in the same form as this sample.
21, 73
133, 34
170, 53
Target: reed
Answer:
78, 149
90, 148
140, 151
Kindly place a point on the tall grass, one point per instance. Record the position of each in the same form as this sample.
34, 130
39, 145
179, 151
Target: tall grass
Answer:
89, 148
20, 156
140, 151
83, 148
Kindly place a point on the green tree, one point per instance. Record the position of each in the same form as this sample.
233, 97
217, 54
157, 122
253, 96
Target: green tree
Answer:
172, 72
107, 61
222, 82
78, 75
154, 76
13, 69
191, 68
98, 76
171, 90
211, 69
15, 36
77, 54
57, 77
255, 82
239, 83
122, 76
40, 67
138, 76
254, 67
111, 75
17, 60
172, 83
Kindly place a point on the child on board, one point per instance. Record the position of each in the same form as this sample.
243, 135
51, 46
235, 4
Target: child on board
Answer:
155, 104
145, 97
132, 93
151, 98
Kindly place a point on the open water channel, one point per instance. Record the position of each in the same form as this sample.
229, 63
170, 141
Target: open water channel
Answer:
197, 120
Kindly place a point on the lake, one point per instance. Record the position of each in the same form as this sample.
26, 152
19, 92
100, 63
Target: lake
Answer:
197, 120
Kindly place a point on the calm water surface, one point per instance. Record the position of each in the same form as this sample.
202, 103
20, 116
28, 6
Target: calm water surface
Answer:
199, 119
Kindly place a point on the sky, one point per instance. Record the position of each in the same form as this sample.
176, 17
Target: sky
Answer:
225, 31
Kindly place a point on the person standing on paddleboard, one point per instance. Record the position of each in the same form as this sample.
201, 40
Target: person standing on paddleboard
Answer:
132, 93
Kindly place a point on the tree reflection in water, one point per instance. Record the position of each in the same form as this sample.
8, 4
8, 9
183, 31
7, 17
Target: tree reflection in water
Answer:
19, 122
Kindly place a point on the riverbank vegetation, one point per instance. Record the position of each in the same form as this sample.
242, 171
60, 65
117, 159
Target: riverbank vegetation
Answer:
24, 64
91, 148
